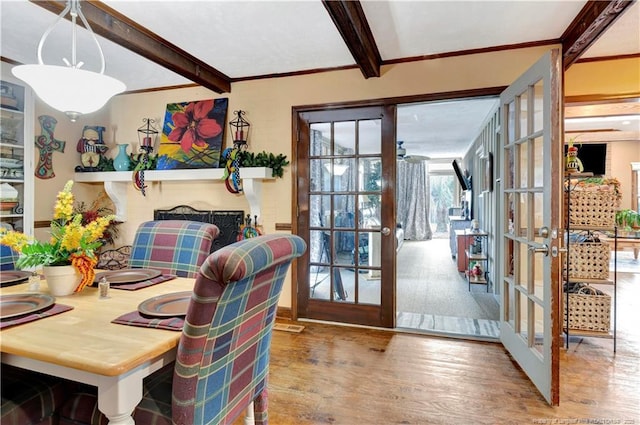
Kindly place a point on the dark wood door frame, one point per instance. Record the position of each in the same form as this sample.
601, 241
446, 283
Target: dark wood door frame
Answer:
391, 101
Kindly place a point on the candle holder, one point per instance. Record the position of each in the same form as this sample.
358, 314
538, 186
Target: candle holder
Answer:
239, 130
147, 135
240, 133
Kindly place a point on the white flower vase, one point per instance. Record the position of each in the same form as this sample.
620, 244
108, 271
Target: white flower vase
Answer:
61, 280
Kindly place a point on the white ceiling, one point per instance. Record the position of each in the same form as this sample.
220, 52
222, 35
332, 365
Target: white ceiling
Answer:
244, 39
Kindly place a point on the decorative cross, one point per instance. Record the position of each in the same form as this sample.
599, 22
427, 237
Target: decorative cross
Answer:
47, 145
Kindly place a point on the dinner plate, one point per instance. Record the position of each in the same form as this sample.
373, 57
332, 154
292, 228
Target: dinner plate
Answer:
166, 305
13, 276
13, 305
128, 275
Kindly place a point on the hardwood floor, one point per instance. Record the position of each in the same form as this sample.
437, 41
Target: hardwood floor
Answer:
331, 374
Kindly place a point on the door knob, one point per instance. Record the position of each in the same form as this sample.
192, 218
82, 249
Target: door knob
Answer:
541, 249
386, 231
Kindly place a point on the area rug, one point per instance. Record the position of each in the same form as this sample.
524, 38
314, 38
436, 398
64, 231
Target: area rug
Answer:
447, 325
626, 262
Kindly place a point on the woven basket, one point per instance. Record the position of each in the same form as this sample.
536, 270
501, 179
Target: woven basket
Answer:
589, 260
588, 312
593, 208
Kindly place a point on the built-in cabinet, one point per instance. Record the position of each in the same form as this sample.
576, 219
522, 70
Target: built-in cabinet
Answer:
16, 156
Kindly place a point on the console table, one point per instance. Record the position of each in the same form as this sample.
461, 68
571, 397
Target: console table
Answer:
624, 242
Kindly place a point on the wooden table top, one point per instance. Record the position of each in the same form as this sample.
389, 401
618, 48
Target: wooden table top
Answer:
85, 339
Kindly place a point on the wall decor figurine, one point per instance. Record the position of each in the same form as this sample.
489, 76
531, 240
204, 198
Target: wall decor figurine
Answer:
573, 163
91, 147
248, 230
47, 144
192, 134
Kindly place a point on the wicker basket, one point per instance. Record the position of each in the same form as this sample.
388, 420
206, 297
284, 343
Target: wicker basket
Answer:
588, 312
593, 208
589, 260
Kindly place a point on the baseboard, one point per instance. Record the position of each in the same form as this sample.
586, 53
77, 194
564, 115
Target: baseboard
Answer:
284, 313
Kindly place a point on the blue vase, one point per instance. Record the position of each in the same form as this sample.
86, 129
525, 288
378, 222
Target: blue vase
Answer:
121, 162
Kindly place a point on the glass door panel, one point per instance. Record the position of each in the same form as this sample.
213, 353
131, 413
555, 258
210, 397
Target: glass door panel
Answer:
345, 217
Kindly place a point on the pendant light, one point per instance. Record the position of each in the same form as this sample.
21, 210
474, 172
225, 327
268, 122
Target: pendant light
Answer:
70, 89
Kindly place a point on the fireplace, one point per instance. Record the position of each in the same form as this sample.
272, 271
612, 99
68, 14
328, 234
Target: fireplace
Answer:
228, 222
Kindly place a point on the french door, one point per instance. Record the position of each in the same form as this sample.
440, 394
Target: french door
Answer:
346, 213
528, 232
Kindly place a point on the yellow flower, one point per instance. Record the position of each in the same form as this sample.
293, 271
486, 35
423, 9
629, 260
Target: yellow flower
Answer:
13, 239
64, 205
96, 228
72, 238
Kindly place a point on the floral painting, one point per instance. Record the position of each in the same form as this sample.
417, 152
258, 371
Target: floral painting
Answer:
192, 134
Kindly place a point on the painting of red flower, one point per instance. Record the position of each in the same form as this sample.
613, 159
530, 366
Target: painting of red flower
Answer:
193, 134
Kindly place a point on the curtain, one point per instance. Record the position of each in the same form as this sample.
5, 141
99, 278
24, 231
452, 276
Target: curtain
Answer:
413, 200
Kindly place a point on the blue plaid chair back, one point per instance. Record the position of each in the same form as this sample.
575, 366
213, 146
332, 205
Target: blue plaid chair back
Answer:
223, 355
8, 258
176, 247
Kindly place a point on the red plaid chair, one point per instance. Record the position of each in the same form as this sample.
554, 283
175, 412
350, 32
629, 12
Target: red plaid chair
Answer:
177, 247
222, 363
30, 398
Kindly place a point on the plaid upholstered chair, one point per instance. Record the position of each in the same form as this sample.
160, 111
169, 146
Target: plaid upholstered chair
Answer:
176, 247
8, 258
30, 398
222, 362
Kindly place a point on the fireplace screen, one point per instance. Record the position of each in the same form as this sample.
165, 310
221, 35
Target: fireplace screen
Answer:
228, 222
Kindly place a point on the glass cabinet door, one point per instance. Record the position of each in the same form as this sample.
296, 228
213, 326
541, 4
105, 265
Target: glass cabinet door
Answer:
16, 156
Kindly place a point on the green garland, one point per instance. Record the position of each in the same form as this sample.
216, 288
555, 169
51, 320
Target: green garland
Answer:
264, 159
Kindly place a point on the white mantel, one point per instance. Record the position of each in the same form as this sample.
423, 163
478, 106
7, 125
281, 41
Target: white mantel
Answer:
116, 182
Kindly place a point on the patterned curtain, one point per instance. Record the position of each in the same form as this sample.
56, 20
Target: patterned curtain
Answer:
413, 200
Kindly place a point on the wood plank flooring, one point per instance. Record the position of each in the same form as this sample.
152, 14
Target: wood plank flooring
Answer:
331, 374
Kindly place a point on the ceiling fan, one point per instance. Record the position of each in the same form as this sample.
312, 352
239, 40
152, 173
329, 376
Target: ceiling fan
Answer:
401, 153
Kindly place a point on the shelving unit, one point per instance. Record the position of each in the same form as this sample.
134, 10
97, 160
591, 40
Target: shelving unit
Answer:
476, 251
591, 233
16, 156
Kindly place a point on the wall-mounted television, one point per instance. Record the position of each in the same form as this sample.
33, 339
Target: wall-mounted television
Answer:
593, 157
464, 182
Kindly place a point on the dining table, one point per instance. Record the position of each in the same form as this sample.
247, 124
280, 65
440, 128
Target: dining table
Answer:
83, 345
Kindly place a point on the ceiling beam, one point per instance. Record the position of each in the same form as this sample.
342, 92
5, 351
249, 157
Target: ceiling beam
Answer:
592, 21
348, 17
121, 30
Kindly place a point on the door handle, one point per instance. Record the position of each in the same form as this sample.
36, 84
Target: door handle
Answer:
555, 251
386, 231
540, 249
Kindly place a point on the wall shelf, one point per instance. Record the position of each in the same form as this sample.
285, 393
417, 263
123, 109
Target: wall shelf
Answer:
115, 183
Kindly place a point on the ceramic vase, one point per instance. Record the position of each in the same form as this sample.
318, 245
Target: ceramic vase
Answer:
61, 280
122, 162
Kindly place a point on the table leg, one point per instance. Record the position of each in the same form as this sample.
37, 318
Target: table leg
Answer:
119, 396
635, 252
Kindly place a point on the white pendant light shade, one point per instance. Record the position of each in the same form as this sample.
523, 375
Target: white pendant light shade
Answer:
70, 90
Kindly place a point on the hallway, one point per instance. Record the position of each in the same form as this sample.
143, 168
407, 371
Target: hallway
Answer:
433, 296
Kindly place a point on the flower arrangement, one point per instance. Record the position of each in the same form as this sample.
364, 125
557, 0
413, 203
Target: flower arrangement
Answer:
71, 243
